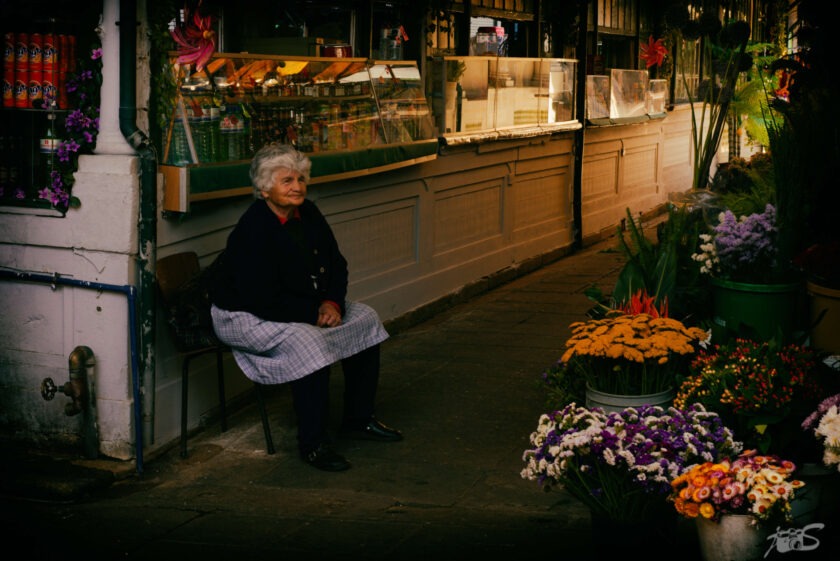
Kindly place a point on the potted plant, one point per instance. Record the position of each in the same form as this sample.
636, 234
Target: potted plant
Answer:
819, 500
724, 58
762, 390
620, 464
735, 502
755, 293
630, 359
825, 424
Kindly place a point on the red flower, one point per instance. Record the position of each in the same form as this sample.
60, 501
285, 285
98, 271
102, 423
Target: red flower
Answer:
653, 53
195, 37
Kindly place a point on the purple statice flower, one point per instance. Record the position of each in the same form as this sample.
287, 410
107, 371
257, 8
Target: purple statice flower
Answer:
824, 406
746, 246
603, 458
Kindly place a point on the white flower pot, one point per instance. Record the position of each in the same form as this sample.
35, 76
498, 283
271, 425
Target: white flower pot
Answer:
734, 538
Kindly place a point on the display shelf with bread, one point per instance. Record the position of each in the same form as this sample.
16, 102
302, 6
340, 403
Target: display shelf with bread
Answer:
352, 116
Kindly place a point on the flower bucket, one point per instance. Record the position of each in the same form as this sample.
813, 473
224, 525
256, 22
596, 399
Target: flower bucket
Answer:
614, 403
758, 310
817, 500
825, 333
732, 538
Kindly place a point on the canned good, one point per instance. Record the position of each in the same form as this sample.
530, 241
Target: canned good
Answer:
8, 86
48, 88
35, 52
20, 89
22, 51
35, 85
61, 90
71, 53
62, 52
48, 52
8, 51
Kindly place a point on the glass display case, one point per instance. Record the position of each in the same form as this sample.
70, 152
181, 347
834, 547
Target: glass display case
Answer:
628, 93
351, 115
490, 93
657, 97
625, 96
597, 97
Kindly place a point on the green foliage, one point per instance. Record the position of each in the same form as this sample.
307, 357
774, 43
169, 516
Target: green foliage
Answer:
562, 386
723, 58
661, 266
164, 87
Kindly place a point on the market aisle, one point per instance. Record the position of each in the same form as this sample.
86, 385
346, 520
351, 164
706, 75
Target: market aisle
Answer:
463, 387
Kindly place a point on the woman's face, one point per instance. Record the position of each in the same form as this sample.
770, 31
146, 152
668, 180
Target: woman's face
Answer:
287, 193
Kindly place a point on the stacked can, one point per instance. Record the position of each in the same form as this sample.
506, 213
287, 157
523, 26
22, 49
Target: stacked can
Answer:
62, 66
36, 70
49, 83
8, 69
20, 89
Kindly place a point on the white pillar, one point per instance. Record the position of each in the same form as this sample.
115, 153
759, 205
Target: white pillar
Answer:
110, 139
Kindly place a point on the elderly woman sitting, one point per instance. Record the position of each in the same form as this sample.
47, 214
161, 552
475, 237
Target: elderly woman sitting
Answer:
279, 303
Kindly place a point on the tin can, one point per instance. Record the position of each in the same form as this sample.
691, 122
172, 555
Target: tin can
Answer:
61, 53
36, 94
48, 88
8, 51
8, 87
20, 88
21, 51
35, 52
71, 53
48, 51
61, 89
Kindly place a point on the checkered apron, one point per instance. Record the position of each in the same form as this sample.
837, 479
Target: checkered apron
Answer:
270, 352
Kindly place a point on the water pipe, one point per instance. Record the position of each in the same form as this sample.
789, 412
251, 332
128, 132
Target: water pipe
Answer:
131, 293
147, 222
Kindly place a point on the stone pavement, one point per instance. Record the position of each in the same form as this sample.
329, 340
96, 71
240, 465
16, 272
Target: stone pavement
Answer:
464, 388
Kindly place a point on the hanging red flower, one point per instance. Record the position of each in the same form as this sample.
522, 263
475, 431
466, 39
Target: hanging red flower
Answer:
653, 53
195, 37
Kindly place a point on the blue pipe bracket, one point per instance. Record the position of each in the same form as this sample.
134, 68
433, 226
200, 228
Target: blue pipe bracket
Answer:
130, 291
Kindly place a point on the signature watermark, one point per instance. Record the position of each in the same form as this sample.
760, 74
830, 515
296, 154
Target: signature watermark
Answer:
794, 539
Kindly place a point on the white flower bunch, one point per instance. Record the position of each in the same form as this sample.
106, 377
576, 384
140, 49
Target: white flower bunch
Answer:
829, 431
708, 257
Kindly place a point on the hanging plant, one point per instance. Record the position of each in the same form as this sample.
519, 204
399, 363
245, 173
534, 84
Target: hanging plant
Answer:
80, 130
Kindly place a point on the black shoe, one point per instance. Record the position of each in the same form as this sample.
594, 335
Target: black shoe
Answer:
324, 458
372, 430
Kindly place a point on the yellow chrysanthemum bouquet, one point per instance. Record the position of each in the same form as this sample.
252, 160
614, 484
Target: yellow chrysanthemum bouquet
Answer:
632, 354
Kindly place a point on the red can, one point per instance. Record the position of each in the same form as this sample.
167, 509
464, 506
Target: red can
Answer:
48, 51
8, 88
49, 88
8, 51
71, 54
61, 90
36, 94
62, 52
21, 51
35, 53
20, 88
